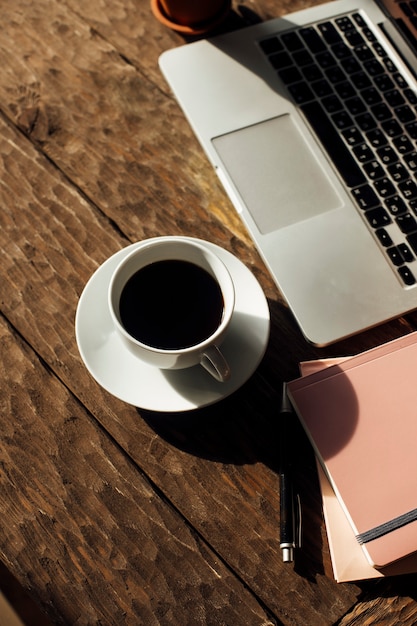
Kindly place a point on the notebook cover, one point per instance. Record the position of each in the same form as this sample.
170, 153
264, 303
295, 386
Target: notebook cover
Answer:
361, 416
349, 561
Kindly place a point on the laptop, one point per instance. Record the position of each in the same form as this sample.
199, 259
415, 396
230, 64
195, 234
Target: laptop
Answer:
310, 121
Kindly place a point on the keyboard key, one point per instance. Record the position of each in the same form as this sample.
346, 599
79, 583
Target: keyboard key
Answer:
322, 88
394, 98
366, 197
352, 136
345, 90
383, 237
350, 65
387, 155
363, 153
354, 38
329, 33
332, 104
392, 128
411, 160
271, 45
390, 65
342, 120
381, 112
409, 189
302, 58
280, 60
374, 67
377, 138
364, 53
403, 144
345, 24
400, 80
290, 75
384, 82
412, 240
377, 48
341, 51
355, 105
407, 223
384, 188
405, 114
369, 34
412, 204
398, 172
371, 96
333, 143
406, 253
374, 170
395, 255
312, 73
301, 92
396, 205
359, 20
412, 129
312, 39
411, 96
292, 41
377, 217
360, 80
335, 74
406, 275
326, 60
366, 122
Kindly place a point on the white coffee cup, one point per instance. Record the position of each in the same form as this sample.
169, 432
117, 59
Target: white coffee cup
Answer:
171, 301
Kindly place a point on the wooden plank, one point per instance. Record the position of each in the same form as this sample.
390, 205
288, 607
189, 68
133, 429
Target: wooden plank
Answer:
129, 26
230, 494
113, 132
86, 532
52, 239
396, 608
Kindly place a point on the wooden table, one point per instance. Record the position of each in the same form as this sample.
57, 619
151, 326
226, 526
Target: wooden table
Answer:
110, 514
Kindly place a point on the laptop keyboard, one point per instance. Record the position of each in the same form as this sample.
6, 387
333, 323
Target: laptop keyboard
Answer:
364, 112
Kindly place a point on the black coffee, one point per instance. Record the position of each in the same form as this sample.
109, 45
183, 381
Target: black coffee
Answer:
171, 305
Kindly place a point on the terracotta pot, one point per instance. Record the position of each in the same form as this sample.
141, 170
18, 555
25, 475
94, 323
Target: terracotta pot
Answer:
191, 16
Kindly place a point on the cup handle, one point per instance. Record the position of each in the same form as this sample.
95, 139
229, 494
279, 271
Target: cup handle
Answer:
214, 362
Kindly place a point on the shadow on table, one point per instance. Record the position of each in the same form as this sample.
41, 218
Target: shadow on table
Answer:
244, 429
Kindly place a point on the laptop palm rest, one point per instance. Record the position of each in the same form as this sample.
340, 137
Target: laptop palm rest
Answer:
276, 173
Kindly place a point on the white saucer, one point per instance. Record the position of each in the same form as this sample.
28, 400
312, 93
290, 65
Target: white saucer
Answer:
137, 383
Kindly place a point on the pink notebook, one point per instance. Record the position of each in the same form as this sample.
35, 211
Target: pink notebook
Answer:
349, 561
361, 417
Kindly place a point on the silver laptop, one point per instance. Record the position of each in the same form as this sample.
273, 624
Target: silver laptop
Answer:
310, 122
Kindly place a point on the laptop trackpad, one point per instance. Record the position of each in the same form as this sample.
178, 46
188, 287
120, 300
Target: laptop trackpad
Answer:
276, 173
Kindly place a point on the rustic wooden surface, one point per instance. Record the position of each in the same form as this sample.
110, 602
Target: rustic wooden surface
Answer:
110, 514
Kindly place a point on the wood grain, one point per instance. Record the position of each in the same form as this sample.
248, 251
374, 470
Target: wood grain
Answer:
219, 498
95, 154
217, 470
89, 530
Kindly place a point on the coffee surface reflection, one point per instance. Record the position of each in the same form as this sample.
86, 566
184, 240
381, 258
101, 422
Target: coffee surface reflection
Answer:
171, 305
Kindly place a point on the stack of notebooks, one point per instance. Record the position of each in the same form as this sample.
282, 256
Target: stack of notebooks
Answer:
360, 414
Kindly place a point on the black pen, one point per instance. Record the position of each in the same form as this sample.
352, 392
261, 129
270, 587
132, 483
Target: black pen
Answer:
290, 519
